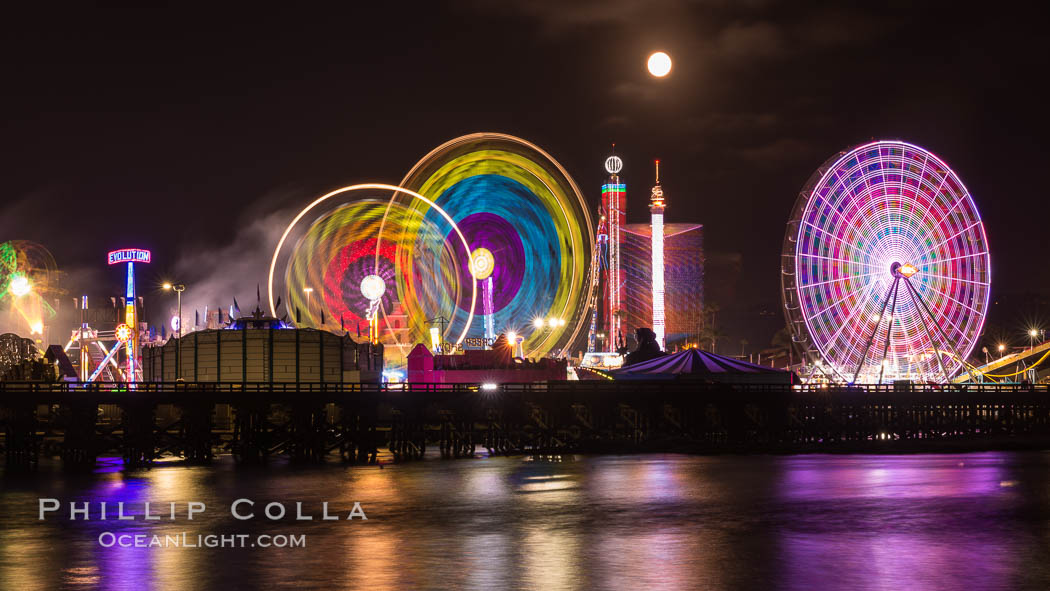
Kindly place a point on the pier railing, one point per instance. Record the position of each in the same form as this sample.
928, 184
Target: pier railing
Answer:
597, 386
310, 421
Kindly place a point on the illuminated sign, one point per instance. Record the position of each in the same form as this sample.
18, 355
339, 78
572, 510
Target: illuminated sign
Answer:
449, 348
613, 165
129, 255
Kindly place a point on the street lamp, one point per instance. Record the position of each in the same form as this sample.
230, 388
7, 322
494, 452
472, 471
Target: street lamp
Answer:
1031, 338
178, 288
1002, 348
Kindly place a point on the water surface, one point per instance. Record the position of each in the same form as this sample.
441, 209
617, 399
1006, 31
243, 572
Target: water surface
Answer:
974, 521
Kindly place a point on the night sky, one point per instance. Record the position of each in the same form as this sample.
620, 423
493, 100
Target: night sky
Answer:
193, 132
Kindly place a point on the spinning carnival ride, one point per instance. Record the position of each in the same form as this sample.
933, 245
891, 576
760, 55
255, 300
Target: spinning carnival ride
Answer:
486, 235
885, 267
28, 276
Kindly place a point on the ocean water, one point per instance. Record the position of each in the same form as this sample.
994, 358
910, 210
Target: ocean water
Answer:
652, 522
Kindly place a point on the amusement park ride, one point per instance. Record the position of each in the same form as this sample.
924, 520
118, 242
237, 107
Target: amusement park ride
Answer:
126, 335
870, 219
656, 211
885, 266
607, 259
486, 232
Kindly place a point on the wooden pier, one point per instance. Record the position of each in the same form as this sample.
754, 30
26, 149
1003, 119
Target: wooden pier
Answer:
356, 422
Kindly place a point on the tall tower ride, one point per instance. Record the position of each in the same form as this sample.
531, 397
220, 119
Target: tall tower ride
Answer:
614, 203
656, 209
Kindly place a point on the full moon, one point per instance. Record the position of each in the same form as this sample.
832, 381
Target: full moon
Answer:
659, 64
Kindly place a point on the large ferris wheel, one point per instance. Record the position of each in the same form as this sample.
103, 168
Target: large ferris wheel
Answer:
885, 267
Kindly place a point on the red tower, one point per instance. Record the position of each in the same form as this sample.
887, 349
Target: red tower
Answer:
614, 204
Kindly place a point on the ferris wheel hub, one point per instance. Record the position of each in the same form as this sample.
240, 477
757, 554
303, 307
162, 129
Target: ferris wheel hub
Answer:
905, 270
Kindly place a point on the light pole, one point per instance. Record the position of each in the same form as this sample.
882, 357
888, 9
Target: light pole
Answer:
1002, 348
1031, 338
178, 288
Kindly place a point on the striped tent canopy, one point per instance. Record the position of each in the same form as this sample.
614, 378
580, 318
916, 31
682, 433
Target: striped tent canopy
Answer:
700, 365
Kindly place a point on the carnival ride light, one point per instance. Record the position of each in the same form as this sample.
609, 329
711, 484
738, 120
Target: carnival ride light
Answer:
862, 212
123, 333
486, 209
482, 263
373, 287
351, 242
515, 200
20, 285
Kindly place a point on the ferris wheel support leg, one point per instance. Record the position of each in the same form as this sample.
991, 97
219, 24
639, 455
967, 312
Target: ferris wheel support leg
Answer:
867, 346
944, 337
889, 328
915, 300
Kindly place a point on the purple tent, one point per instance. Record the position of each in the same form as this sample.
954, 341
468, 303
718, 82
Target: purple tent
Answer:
694, 364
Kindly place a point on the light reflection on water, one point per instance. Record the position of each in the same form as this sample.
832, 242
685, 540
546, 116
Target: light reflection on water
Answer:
614, 522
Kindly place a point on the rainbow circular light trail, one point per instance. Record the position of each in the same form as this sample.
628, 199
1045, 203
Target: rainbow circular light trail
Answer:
519, 208
372, 237
882, 214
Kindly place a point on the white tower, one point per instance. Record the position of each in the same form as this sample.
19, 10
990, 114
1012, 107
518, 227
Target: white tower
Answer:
656, 209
